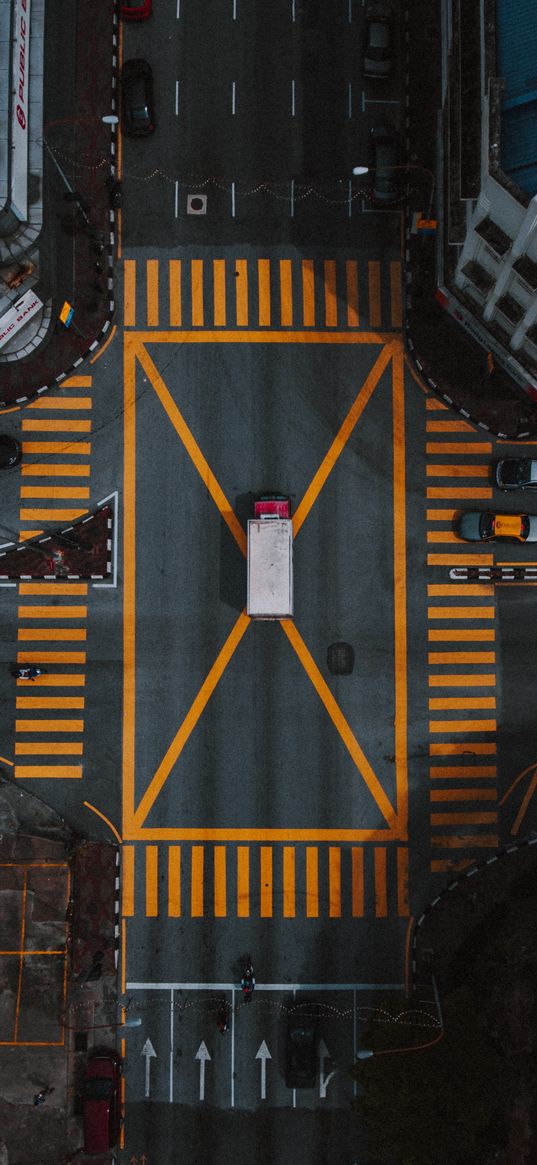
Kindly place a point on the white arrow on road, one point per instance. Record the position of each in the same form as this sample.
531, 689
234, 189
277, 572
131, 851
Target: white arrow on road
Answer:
324, 1081
263, 1054
148, 1051
202, 1055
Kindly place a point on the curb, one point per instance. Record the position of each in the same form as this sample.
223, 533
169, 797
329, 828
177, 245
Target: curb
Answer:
110, 245
478, 867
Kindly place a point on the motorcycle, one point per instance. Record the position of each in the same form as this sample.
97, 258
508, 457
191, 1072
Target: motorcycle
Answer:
222, 1018
248, 980
28, 673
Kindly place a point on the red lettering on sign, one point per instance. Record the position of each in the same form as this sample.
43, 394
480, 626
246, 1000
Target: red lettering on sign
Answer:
21, 118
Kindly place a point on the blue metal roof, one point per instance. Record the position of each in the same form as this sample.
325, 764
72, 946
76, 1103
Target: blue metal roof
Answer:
516, 22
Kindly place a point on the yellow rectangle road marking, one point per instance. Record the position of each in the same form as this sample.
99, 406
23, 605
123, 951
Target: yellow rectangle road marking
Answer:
461, 612
373, 275
465, 818
460, 589
49, 725
51, 656
127, 881
330, 294
50, 702
61, 402
466, 841
312, 881
48, 772
61, 612
308, 293
289, 903
174, 276
243, 881
38, 515
381, 890
441, 515
241, 292
151, 881
432, 404
458, 447
151, 275
351, 273
437, 703
448, 726
450, 866
24, 534
461, 559
45, 470
445, 634
174, 881
447, 772
196, 282
461, 657
457, 794
263, 292
26, 633
76, 448
462, 491
50, 748
334, 881
265, 874
357, 882
444, 537
54, 588
449, 427
286, 293
219, 292
395, 293
220, 884
129, 293
53, 492
55, 425
77, 381
403, 908
469, 680
487, 748
196, 881
449, 470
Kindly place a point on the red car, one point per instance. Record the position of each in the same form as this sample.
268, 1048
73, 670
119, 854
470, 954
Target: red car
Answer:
136, 9
102, 1100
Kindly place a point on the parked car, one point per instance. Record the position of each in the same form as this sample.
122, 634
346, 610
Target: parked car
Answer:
138, 112
101, 1108
484, 526
10, 451
301, 1046
136, 9
384, 157
378, 47
517, 473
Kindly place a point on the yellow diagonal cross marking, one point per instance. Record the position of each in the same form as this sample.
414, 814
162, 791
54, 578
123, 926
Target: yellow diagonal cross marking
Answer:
341, 438
338, 719
191, 718
192, 448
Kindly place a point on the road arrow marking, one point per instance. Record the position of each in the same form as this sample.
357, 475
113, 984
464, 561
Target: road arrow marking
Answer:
148, 1051
202, 1055
263, 1054
324, 1081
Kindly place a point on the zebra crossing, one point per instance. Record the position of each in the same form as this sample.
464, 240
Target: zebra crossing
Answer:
52, 616
262, 293
264, 881
461, 658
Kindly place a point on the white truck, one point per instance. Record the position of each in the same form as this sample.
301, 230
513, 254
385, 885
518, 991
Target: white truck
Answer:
270, 559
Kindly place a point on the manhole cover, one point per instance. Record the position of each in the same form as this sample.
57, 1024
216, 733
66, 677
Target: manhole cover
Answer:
196, 204
340, 659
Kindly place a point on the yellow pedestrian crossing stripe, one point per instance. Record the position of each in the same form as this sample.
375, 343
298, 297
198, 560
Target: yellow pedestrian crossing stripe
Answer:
264, 881
262, 293
52, 615
461, 680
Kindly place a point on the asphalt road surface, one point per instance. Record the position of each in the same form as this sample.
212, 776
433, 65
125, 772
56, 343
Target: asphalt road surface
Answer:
266, 805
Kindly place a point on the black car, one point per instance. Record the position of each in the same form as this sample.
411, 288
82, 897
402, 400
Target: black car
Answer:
378, 47
384, 158
301, 1046
517, 473
138, 111
10, 451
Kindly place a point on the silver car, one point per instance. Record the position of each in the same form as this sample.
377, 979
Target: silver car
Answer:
516, 473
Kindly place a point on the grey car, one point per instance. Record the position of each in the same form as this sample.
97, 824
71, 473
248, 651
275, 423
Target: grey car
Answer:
516, 473
378, 47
